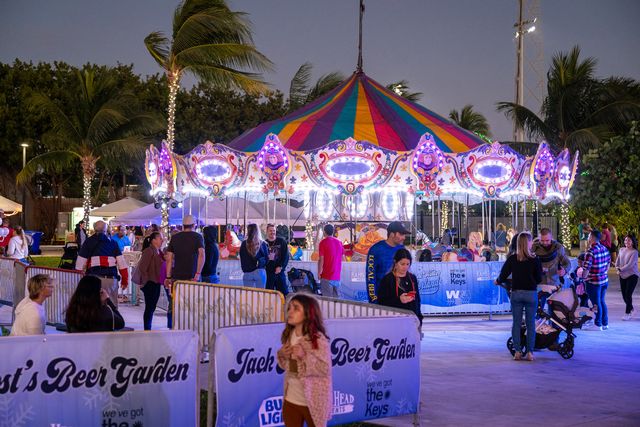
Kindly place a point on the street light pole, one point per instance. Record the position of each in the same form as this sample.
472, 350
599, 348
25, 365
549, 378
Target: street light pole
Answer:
24, 146
518, 131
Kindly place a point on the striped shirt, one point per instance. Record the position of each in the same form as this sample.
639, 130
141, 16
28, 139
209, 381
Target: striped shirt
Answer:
101, 256
597, 260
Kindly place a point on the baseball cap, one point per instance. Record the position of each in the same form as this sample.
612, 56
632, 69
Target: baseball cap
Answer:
188, 220
397, 227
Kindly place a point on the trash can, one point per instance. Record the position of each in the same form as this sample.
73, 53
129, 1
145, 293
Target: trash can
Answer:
34, 246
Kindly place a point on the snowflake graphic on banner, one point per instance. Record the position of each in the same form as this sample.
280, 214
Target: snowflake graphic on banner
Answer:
14, 414
403, 406
230, 420
100, 396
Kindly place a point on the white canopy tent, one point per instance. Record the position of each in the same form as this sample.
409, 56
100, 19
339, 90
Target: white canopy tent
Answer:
230, 210
120, 207
9, 206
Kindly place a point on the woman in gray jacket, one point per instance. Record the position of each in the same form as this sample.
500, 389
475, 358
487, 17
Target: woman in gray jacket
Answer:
627, 267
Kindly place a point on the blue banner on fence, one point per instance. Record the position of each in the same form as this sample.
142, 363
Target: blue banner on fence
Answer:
463, 285
376, 371
131, 379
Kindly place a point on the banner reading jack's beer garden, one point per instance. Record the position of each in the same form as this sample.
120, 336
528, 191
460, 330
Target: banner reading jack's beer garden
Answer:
124, 379
376, 371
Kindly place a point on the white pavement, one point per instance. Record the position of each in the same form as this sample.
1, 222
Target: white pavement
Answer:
469, 378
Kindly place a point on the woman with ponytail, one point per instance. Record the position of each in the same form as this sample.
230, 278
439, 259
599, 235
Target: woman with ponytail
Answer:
306, 360
19, 245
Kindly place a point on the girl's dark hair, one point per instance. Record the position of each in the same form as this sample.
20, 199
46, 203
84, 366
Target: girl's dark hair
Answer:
313, 325
85, 304
400, 255
147, 240
634, 241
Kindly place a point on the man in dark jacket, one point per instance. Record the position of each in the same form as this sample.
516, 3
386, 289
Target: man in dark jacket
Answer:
554, 262
277, 261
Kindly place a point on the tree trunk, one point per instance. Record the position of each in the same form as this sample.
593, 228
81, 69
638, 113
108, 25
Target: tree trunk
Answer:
88, 171
174, 86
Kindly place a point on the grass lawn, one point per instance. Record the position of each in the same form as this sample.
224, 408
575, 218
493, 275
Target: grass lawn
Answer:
46, 261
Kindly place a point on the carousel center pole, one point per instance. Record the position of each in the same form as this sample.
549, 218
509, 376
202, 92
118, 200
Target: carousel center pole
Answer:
433, 220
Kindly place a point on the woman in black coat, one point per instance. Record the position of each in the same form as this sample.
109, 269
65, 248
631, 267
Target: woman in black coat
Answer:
399, 288
91, 310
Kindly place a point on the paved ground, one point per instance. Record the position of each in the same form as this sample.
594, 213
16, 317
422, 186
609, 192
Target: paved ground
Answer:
468, 377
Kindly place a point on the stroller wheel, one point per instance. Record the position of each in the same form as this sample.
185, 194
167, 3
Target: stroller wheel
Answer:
565, 349
510, 346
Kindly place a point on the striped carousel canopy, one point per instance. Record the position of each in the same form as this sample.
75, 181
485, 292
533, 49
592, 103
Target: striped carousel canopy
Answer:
365, 110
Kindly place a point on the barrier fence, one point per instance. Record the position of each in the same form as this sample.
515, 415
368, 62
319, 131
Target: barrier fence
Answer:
12, 271
65, 282
205, 307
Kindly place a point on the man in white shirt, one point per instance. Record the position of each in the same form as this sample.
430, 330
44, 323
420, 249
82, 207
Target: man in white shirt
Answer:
30, 316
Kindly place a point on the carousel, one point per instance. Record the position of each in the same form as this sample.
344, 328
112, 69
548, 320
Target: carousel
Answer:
360, 157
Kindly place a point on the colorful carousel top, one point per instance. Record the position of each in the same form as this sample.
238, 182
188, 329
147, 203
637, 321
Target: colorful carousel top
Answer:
363, 109
362, 174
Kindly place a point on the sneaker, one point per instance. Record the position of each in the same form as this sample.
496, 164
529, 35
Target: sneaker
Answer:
587, 324
592, 328
529, 357
517, 356
626, 316
605, 327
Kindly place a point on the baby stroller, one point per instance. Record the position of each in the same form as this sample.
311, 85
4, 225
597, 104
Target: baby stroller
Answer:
564, 315
69, 256
303, 281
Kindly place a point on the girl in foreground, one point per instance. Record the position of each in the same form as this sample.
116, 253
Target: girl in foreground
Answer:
306, 359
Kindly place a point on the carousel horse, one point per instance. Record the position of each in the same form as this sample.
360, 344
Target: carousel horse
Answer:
231, 245
368, 239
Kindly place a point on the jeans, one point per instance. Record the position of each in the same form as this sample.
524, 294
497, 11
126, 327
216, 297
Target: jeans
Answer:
255, 279
597, 295
151, 291
330, 288
211, 279
627, 286
169, 309
526, 301
277, 282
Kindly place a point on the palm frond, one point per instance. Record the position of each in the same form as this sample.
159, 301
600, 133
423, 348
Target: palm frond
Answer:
534, 126
230, 55
213, 25
325, 83
471, 120
130, 147
225, 77
299, 87
62, 124
587, 138
159, 47
402, 88
53, 161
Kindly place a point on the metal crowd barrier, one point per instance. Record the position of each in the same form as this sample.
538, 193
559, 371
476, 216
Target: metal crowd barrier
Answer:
65, 282
204, 307
7, 279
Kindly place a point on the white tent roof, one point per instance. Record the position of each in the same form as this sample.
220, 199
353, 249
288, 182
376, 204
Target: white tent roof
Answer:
212, 211
9, 205
120, 207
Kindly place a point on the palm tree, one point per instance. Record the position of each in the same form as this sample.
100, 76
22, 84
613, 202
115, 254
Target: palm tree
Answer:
300, 90
471, 120
579, 111
104, 125
402, 88
211, 42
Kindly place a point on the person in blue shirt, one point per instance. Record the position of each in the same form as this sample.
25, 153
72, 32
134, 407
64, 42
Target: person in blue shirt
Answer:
380, 258
121, 238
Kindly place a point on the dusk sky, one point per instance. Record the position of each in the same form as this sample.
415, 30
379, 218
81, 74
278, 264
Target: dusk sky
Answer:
456, 52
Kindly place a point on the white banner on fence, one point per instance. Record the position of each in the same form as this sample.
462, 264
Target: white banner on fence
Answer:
376, 371
100, 379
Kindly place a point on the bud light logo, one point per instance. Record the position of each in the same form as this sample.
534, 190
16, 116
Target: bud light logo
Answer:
343, 403
271, 412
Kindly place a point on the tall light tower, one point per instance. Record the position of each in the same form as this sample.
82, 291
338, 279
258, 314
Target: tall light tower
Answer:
522, 27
